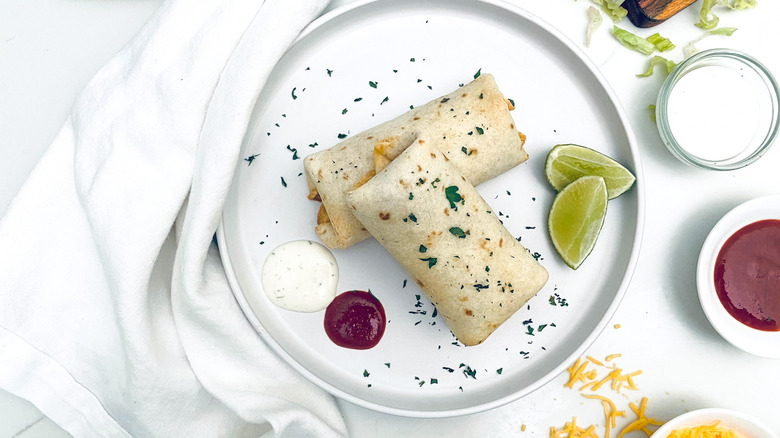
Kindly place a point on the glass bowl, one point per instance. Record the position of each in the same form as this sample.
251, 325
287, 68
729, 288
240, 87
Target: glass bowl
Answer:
718, 110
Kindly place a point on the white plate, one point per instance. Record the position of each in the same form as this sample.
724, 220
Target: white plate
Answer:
744, 425
416, 51
756, 342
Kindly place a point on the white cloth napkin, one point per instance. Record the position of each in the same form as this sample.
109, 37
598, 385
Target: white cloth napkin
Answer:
116, 318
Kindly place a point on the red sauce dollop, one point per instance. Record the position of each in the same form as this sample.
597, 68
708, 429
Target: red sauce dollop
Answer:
355, 319
747, 275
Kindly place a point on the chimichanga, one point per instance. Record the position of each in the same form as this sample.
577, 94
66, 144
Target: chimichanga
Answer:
435, 224
473, 127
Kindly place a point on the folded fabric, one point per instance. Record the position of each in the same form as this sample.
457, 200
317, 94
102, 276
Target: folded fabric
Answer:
116, 316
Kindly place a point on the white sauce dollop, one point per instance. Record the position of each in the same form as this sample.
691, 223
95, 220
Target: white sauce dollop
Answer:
300, 275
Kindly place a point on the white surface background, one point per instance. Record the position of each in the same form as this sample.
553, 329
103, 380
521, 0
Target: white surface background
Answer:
50, 49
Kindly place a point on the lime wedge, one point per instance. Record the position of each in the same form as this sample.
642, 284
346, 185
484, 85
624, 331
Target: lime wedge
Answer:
576, 217
568, 162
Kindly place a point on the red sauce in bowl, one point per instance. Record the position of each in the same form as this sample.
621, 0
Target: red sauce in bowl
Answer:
747, 275
355, 319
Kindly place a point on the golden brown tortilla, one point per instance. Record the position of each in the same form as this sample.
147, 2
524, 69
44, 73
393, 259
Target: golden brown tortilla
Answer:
473, 127
435, 224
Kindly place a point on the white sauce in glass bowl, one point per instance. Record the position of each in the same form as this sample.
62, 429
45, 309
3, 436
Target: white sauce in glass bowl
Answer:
713, 112
300, 275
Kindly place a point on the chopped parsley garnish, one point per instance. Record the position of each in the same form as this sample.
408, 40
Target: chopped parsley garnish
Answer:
480, 131
411, 196
541, 327
344, 111
500, 370
330, 72
358, 99
384, 100
251, 158
284, 183
558, 300
431, 261
412, 217
512, 102
423, 248
293, 93
478, 73
453, 196
411, 59
433, 183
372, 84
387, 364
468, 372
457, 231
366, 373
340, 136
294, 151
529, 330
314, 145
434, 381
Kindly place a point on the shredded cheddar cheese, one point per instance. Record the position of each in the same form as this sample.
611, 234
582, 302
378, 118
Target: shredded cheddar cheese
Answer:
587, 373
596, 361
610, 412
642, 421
577, 373
707, 431
572, 430
616, 378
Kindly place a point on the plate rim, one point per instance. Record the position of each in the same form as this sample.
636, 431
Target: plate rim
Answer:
598, 328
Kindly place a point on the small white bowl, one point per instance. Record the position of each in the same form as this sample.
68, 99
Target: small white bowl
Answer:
744, 425
757, 342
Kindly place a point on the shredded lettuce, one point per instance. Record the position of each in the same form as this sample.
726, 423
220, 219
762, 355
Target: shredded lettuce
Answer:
655, 60
708, 20
594, 22
633, 42
663, 44
690, 49
613, 9
727, 31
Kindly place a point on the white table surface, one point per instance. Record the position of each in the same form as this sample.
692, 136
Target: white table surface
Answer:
49, 50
